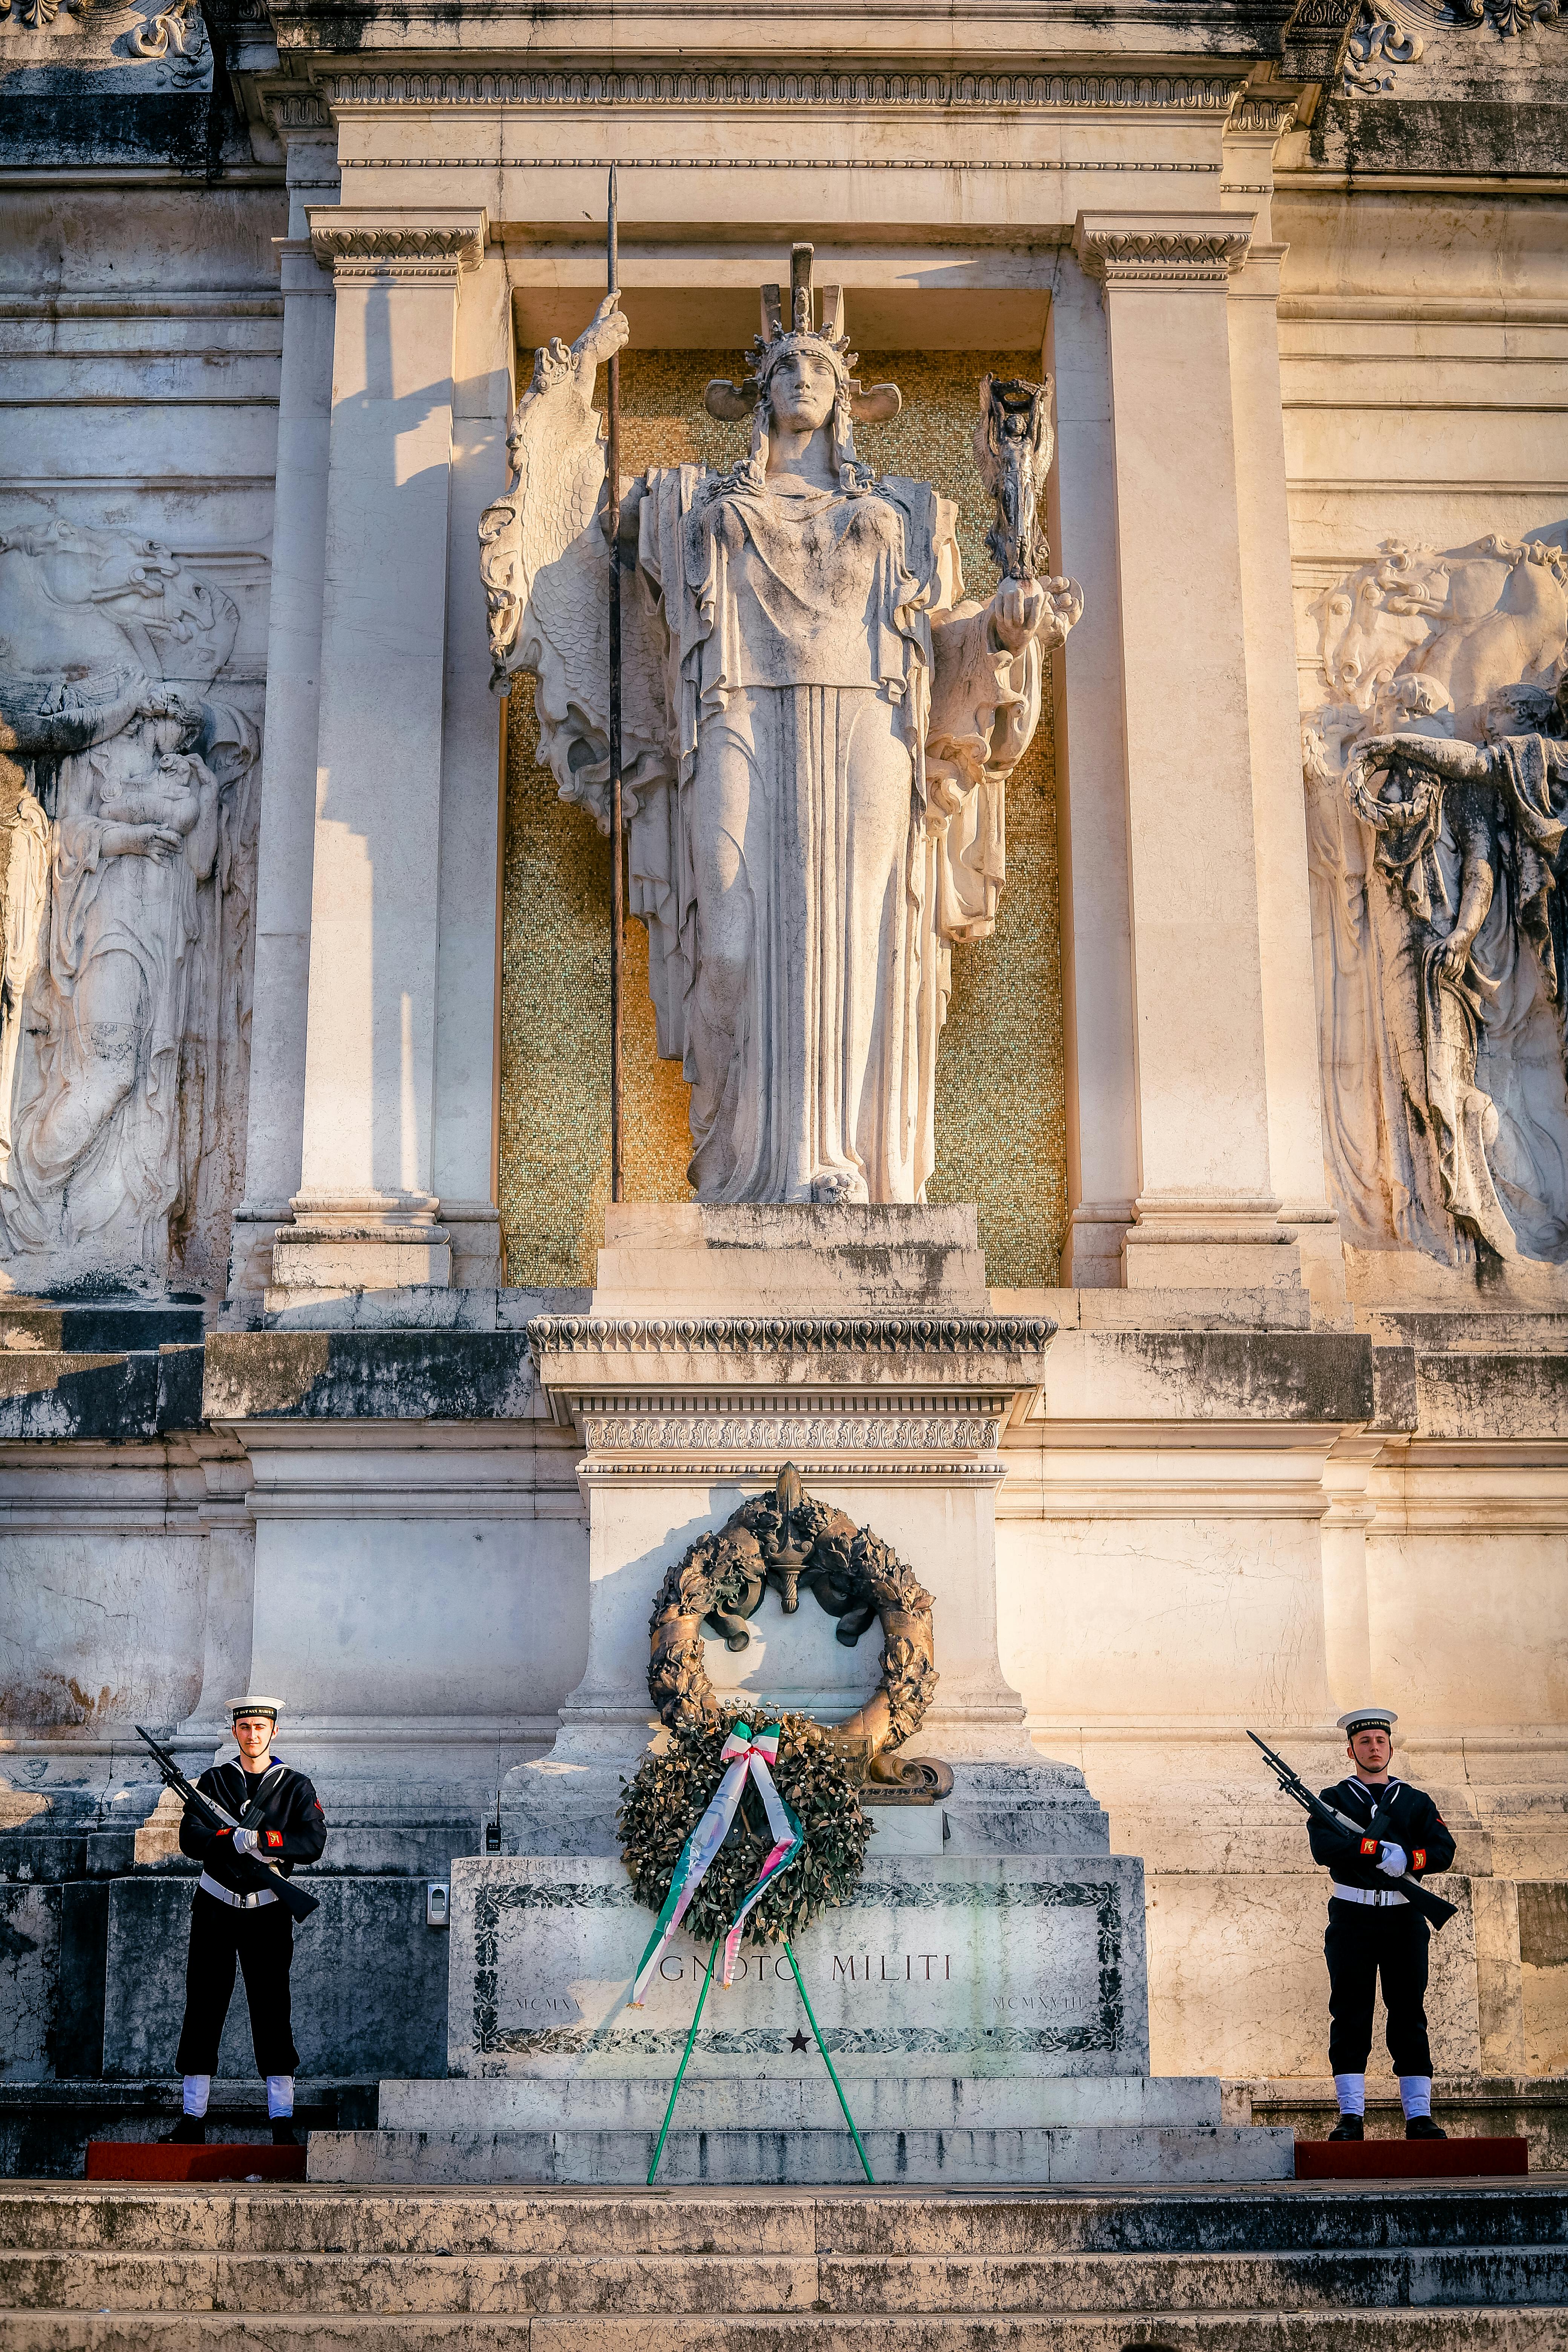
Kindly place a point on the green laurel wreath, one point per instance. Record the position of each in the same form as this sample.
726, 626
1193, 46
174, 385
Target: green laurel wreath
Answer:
672, 1790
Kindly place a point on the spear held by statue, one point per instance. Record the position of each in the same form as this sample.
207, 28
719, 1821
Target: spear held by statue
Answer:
617, 865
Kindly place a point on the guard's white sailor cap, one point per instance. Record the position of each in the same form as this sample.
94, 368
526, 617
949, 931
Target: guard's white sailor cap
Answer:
254, 1703
1367, 1719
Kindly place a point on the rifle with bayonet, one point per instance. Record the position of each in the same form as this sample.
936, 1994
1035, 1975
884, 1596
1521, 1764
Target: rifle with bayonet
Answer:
1431, 1906
294, 1899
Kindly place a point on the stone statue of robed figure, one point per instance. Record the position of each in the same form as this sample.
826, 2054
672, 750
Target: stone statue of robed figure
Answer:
817, 733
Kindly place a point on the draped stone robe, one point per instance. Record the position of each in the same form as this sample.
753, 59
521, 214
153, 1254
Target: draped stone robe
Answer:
816, 734
800, 885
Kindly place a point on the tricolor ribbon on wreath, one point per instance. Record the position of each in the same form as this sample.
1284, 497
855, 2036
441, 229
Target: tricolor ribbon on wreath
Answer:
744, 1757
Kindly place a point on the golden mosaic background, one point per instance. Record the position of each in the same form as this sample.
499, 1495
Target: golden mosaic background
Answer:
1001, 1125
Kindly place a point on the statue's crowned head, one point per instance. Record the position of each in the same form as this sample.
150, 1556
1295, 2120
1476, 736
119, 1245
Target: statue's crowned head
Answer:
807, 335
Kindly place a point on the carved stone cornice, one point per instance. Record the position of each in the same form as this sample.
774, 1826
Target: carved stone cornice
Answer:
1254, 115
789, 1432
1130, 250
879, 1388
353, 244
296, 112
1316, 39
1190, 93
554, 1336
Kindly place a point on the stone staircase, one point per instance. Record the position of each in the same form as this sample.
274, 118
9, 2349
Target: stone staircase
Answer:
1295, 2269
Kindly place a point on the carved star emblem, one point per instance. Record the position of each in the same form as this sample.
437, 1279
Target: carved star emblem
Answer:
799, 2042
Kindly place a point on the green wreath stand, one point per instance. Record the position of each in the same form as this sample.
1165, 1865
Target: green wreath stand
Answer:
660, 1814
789, 1541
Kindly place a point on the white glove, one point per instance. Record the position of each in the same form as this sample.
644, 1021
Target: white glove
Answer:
246, 1841
1393, 1862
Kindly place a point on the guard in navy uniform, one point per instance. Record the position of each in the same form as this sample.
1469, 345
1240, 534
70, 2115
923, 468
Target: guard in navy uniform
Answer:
281, 1823
1372, 1928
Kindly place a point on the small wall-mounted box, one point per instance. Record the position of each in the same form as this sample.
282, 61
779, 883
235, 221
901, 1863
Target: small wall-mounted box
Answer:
437, 1903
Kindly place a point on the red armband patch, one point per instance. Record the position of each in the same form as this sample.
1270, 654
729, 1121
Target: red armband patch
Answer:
223, 1833
1369, 1845
1418, 1859
273, 1837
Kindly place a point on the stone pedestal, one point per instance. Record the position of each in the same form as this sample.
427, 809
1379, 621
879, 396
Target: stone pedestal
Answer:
984, 1993
892, 1414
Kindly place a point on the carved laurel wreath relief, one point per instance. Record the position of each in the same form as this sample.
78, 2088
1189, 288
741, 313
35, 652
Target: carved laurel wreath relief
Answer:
789, 1542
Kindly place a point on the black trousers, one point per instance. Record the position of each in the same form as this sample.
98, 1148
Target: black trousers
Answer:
1364, 1941
262, 1942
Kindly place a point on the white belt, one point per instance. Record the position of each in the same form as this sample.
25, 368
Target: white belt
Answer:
1380, 1897
265, 1895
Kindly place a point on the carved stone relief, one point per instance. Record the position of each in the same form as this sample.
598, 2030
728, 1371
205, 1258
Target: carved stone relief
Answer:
161, 42
1438, 807
125, 985
1436, 47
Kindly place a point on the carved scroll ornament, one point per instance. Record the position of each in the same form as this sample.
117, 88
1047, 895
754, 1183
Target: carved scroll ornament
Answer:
788, 1541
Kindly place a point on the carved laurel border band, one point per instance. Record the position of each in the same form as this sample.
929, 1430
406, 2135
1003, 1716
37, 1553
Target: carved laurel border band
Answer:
1105, 2028
558, 1335
1201, 93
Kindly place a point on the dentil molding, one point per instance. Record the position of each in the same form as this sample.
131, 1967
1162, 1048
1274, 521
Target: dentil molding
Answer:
1192, 93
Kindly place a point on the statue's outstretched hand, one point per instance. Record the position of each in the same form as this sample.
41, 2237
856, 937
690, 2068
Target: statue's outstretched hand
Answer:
605, 334
1047, 609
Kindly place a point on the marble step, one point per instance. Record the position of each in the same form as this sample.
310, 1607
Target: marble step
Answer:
798, 2155
358, 2285
1436, 2328
770, 2102
121, 2217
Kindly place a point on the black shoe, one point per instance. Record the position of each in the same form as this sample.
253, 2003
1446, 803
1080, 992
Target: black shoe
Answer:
1423, 2127
283, 2132
190, 2131
1348, 2127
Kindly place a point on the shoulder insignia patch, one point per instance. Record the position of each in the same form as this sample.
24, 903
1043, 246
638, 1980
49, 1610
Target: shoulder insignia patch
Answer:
273, 1837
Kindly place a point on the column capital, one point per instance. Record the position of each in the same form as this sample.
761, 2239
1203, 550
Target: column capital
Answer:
1162, 248
405, 241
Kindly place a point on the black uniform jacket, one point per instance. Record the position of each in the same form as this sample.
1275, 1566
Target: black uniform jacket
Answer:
1412, 1820
289, 1823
